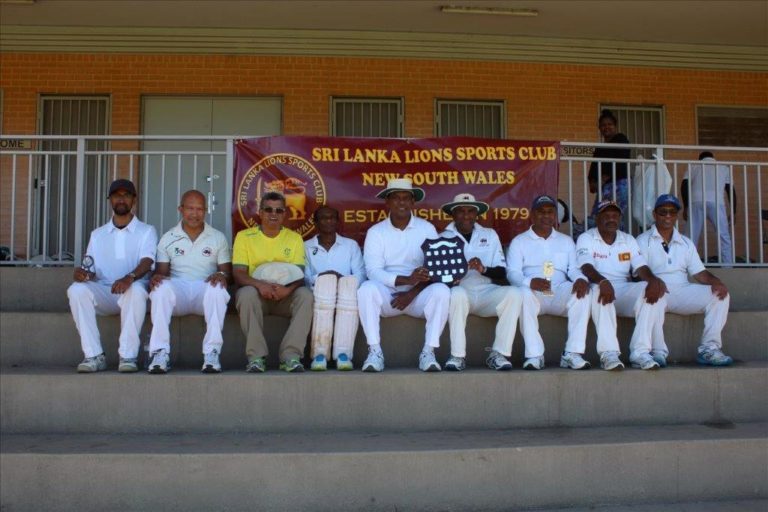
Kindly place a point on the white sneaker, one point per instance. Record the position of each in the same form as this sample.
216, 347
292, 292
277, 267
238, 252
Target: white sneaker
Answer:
455, 364
374, 362
127, 366
534, 363
344, 363
498, 362
427, 361
660, 358
574, 361
610, 361
93, 364
644, 362
159, 362
211, 362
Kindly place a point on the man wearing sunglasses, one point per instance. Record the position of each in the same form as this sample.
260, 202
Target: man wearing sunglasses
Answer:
271, 242
673, 258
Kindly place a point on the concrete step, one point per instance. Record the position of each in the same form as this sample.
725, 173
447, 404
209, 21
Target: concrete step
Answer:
468, 470
45, 289
50, 339
63, 402
693, 506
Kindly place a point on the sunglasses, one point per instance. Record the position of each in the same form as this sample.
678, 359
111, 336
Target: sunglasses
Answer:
666, 212
278, 210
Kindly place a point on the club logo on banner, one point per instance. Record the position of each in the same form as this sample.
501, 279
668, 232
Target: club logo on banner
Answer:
347, 173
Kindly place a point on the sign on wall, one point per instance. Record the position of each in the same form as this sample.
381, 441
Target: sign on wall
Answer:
347, 173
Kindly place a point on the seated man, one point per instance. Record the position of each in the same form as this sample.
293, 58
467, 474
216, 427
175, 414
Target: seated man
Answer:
476, 292
609, 258
543, 262
673, 258
257, 246
397, 280
121, 253
334, 271
191, 276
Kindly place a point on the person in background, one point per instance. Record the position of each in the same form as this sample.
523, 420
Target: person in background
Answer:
710, 187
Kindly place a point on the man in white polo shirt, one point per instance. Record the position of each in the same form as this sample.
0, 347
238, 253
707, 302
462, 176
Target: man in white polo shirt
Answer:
119, 255
398, 283
609, 258
191, 276
673, 258
476, 293
542, 261
334, 272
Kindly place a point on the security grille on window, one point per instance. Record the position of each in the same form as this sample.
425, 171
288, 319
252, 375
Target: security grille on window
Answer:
470, 119
55, 179
641, 125
732, 126
363, 117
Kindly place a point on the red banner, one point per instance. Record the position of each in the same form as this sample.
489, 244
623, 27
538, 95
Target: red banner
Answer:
347, 173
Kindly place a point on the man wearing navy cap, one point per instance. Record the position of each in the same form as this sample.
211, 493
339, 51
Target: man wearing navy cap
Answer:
120, 255
673, 258
542, 261
609, 258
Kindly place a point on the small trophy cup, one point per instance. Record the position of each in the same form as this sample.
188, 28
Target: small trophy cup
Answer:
87, 265
548, 269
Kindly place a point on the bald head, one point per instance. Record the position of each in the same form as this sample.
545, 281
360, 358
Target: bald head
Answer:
192, 194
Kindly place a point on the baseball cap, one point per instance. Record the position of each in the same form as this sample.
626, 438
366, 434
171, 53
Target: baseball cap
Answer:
121, 184
605, 204
543, 200
667, 199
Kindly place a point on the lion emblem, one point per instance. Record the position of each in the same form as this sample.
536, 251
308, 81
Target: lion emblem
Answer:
295, 192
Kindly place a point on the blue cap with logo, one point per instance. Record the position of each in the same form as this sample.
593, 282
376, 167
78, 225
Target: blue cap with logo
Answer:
667, 199
607, 203
543, 200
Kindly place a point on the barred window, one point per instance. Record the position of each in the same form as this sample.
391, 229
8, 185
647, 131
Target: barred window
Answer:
641, 125
367, 117
732, 126
470, 118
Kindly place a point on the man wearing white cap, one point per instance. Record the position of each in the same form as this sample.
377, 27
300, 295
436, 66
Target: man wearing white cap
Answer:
398, 283
113, 280
476, 292
673, 258
609, 257
334, 271
542, 261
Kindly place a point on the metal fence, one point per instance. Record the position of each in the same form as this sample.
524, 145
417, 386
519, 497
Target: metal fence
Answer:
50, 199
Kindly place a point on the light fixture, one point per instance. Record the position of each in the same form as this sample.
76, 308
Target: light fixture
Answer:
502, 11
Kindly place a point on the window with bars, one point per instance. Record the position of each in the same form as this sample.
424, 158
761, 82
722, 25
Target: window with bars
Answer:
641, 125
367, 117
55, 175
732, 126
470, 118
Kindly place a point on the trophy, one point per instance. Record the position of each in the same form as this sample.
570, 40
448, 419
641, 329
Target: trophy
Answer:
548, 269
444, 259
87, 265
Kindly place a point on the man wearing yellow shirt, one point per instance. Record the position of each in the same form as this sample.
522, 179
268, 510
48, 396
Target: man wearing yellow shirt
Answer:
270, 291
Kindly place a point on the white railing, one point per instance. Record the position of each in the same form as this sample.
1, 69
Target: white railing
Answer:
53, 190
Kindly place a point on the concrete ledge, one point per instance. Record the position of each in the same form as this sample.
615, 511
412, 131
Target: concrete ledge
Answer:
50, 339
45, 401
474, 470
45, 289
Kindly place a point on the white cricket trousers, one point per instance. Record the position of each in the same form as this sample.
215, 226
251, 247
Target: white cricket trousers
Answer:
691, 299
334, 297
484, 300
718, 218
178, 297
563, 302
373, 300
88, 299
630, 302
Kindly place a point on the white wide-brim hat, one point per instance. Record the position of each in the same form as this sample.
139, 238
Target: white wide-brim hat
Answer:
402, 185
278, 272
465, 200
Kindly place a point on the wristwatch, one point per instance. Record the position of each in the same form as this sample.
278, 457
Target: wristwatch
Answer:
132, 275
